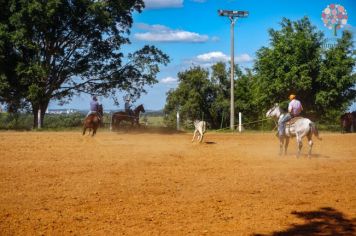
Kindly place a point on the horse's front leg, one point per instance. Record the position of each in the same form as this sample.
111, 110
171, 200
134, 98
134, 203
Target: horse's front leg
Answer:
281, 142
84, 129
194, 135
286, 145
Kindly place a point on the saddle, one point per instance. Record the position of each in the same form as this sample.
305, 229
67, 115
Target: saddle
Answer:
97, 114
293, 120
129, 113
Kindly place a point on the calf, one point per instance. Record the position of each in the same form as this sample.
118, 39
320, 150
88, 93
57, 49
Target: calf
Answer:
200, 127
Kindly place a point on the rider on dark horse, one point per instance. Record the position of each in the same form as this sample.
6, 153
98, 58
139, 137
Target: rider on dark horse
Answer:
94, 107
128, 107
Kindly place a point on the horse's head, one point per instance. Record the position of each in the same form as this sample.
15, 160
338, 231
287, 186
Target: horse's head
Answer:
140, 108
274, 111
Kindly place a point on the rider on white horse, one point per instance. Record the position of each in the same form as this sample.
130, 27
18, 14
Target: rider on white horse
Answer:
294, 109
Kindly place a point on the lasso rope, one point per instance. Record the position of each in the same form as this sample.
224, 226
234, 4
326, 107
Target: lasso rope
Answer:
247, 123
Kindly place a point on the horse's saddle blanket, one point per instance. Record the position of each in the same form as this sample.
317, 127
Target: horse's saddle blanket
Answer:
293, 120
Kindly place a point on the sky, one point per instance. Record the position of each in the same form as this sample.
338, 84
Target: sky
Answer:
192, 33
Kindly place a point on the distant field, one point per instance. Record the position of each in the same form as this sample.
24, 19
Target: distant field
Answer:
154, 121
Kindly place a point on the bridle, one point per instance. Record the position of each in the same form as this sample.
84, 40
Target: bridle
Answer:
274, 120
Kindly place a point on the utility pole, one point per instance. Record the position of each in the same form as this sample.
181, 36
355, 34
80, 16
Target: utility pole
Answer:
233, 15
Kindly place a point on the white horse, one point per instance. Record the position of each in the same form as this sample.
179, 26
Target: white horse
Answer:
200, 127
298, 127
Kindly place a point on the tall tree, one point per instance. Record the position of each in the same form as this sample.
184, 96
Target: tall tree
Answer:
201, 94
52, 50
295, 62
244, 98
336, 81
220, 107
192, 98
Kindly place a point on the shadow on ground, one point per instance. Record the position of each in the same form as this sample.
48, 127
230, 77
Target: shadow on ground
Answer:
209, 142
323, 222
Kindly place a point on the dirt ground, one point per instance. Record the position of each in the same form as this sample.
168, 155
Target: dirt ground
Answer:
59, 183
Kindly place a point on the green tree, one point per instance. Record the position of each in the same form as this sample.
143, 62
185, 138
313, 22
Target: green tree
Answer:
220, 108
56, 49
192, 98
244, 98
295, 62
336, 81
200, 95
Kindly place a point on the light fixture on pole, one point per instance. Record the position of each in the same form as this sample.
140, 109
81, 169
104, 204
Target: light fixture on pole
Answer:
233, 15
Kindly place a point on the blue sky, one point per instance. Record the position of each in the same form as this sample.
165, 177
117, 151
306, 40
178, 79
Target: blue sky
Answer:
192, 33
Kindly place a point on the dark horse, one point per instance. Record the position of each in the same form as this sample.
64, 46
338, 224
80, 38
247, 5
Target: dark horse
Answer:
117, 117
348, 122
92, 122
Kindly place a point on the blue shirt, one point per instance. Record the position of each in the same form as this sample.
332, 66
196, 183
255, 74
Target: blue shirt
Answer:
127, 106
94, 105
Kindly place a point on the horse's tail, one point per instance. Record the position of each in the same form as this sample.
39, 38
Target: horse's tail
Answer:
314, 130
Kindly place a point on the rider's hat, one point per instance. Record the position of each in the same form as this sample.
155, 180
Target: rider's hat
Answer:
292, 96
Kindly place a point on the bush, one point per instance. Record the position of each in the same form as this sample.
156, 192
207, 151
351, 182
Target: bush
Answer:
54, 121
16, 121
24, 121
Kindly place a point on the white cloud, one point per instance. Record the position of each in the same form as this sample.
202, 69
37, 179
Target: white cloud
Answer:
169, 80
163, 3
161, 33
148, 27
210, 58
215, 39
243, 58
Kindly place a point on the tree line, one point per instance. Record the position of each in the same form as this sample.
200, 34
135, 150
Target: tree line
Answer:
52, 50
295, 61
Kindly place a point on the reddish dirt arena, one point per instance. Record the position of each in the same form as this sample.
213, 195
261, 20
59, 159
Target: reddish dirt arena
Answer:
61, 183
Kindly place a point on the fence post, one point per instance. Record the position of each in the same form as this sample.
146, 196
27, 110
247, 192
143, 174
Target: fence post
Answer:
240, 118
110, 121
39, 119
222, 119
177, 120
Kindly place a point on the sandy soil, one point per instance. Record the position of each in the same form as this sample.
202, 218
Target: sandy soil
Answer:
59, 183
